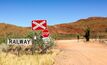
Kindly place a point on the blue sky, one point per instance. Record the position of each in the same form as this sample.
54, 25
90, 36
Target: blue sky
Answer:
22, 12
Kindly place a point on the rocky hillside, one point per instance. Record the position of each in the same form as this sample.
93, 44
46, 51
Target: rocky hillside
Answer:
9, 29
96, 24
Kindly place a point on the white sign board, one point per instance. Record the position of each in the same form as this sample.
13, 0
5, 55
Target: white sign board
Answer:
21, 41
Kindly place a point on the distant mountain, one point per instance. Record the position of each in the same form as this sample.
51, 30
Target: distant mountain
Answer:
96, 24
8, 29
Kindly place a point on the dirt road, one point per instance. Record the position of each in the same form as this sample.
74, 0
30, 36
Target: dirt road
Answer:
81, 53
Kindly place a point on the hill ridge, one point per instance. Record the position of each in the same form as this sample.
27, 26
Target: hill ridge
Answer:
96, 24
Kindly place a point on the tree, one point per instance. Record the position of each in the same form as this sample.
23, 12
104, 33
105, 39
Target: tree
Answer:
87, 34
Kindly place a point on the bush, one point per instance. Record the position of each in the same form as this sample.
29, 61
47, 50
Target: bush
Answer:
2, 40
40, 43
64, 36
87, 34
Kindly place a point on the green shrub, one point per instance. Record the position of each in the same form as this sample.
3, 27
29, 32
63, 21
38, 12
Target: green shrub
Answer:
39, 43
87, 34
2, 40
63, 36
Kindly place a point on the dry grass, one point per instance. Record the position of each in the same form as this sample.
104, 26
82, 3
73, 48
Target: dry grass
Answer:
37, 59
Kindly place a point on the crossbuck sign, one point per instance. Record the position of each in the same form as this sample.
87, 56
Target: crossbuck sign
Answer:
39, 24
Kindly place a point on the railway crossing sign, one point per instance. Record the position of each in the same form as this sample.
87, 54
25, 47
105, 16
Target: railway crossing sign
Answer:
39, 24
45, 33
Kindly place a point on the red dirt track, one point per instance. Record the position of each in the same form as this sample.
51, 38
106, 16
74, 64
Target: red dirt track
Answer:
75, 52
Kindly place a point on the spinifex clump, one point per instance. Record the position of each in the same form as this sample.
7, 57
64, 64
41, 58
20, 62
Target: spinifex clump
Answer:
39, 44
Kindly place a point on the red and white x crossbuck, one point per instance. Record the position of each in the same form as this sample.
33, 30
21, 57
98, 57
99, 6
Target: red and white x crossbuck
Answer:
39, 24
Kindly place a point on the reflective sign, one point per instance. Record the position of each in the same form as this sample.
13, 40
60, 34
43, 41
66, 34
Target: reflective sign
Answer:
39, 24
